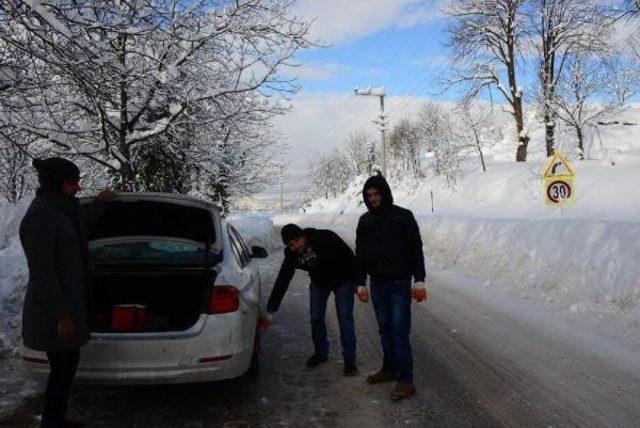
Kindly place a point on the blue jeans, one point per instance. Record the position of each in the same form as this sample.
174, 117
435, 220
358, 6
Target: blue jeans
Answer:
392, 304
319, 295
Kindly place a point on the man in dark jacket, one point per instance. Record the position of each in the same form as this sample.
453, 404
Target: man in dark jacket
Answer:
389, 250
330, 262
55, 315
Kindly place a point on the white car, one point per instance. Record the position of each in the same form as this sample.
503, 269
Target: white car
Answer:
194, 282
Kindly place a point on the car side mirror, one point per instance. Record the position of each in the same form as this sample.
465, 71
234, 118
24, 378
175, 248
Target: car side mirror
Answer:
258, 253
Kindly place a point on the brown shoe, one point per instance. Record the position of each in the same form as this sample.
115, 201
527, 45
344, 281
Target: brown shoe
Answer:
380, 377
403, 390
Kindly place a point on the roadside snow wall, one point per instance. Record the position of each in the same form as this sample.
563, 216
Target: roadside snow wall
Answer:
578, 266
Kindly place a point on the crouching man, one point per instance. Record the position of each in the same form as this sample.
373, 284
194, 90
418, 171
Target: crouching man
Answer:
389, 250
330, 263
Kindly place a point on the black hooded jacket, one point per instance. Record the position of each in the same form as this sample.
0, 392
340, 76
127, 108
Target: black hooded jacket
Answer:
388, 243
332, 266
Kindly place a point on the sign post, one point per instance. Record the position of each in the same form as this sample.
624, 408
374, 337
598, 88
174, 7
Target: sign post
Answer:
558, 180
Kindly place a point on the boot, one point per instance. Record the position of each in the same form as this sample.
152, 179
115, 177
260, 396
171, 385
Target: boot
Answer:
403, 390
380, 377
316, 360
350, 368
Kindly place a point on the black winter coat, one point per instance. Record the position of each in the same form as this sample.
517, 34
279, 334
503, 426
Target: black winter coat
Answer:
388, 242
53, 237
333, 265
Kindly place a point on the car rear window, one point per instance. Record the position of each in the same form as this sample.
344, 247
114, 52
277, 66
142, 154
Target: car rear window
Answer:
143, 252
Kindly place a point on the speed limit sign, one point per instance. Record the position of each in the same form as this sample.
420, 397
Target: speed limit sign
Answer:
559, 191
558, 182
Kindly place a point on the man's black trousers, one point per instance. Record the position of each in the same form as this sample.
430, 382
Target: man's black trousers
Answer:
62, 366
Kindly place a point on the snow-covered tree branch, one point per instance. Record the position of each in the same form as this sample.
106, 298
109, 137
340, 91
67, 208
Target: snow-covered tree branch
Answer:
105, 81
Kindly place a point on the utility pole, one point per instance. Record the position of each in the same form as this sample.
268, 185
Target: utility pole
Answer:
379, 92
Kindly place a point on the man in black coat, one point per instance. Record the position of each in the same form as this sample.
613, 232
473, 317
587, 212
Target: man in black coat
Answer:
330, 263
389, 251
55, 315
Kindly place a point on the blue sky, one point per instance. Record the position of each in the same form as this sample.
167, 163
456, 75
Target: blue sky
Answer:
398, 44
405, 61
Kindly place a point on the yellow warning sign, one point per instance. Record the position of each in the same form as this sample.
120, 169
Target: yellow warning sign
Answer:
558, 179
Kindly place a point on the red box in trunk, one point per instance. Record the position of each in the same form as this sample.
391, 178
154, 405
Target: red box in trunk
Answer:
128, 317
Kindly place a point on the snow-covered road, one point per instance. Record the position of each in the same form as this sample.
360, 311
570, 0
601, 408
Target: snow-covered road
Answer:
479, 362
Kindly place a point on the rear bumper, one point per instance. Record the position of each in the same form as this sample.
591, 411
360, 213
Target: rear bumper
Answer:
230, 368
220, 349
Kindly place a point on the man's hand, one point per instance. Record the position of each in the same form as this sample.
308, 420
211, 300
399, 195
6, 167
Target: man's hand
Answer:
264, 322
66, 329
419, 292
106, 195
363, 293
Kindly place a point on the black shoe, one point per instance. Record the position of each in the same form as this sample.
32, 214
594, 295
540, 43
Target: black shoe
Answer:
350, 368
69, 424
316, 360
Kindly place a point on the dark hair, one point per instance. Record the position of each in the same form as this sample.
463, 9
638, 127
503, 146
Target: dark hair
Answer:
290, 232
54, 172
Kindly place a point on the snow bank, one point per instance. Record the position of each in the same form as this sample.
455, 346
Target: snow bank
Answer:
13, 273
584, 269
256, 229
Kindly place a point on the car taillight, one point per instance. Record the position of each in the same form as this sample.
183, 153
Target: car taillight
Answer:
224, 298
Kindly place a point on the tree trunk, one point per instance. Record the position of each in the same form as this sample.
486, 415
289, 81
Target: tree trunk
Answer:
516, 95
549, 135
580, 136
479, 147
523, 138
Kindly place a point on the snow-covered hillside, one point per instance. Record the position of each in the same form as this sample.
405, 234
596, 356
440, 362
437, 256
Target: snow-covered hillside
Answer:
494, 225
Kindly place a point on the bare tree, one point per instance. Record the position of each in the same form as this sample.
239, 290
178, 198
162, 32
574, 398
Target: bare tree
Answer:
476, 131
16, 178
331, 174
360, 150
486, 38
582, 96
623, 77
104, 81
559, 29
405, 146
437, 136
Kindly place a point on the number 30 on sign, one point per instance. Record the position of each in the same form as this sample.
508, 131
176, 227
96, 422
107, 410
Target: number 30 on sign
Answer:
560, 191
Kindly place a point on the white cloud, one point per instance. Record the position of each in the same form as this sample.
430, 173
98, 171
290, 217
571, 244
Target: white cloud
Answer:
323, 71
338, 21
319, 71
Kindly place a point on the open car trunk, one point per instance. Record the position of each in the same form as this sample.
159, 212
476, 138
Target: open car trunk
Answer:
152, 259
169, 300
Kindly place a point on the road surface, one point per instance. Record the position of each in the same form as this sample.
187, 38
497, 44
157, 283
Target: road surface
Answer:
478, 363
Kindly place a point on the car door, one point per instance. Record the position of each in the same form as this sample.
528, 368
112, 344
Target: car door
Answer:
250, 279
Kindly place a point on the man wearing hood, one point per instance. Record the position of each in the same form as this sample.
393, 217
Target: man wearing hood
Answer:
389, 251
55, 316
330, 262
